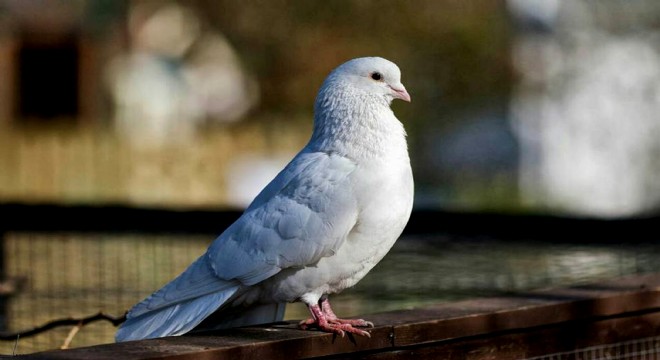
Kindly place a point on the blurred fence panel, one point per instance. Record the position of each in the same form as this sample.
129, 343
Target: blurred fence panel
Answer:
76, 275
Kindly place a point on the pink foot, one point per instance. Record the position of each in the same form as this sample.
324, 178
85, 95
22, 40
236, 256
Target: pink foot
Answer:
325, 319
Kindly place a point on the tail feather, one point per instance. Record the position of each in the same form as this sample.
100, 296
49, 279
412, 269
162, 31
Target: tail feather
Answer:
198, 280
174, 320
232, 317
189, 299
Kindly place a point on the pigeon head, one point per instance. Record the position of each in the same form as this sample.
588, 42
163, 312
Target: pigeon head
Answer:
368, 77
352, 112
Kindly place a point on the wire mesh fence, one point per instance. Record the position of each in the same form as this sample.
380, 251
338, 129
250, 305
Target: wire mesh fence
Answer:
639, 349
76, 275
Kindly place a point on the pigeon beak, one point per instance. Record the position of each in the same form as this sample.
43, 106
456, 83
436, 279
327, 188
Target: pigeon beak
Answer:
399, 92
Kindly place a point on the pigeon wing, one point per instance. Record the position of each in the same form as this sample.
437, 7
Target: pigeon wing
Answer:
303, 215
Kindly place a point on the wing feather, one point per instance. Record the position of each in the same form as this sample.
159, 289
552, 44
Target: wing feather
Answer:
304, 215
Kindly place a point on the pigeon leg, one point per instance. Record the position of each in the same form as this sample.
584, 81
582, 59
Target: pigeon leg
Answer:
329, 322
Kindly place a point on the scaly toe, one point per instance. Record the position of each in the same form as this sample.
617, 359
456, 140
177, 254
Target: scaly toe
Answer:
341, 328
352, 322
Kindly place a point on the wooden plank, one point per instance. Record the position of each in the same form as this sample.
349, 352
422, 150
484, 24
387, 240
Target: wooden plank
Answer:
467, 327
476, 317
538, 341
282, 341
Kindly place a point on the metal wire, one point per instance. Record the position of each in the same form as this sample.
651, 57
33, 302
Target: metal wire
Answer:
643, 349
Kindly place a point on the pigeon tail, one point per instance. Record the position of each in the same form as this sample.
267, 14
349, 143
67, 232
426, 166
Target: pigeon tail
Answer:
173, 320
180, 305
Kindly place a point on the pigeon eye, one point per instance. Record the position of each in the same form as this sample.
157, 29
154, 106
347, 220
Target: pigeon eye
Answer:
377, 76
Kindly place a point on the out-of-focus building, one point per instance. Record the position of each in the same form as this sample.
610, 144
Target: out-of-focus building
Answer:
587, 105
152, 67
51, 58
116, 95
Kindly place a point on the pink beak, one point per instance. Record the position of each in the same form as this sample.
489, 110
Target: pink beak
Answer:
400, 93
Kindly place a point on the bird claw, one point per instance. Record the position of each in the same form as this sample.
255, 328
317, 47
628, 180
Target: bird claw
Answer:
338, 326
325, 319
352, 322
342, 329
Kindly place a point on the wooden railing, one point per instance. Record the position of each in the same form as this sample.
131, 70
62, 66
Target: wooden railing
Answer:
514, 327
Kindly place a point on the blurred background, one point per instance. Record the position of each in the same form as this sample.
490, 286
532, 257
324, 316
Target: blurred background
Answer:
520, 106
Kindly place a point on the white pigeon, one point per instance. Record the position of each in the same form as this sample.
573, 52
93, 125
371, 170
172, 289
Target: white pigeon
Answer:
326, 220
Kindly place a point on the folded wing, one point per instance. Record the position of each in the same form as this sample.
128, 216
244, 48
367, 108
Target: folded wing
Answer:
304, 214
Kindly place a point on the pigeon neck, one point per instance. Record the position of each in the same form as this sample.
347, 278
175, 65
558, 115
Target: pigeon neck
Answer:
356, 125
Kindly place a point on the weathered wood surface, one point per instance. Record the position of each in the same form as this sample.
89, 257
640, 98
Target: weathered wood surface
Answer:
513, 327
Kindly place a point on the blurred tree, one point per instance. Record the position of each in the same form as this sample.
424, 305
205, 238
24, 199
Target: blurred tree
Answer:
454, 53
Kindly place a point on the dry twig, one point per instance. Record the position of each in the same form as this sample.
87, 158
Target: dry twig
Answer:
79, 322
72, 334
